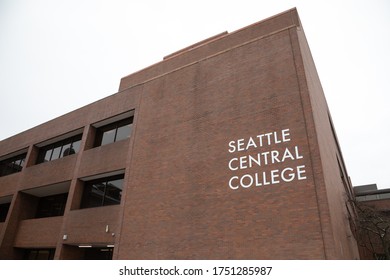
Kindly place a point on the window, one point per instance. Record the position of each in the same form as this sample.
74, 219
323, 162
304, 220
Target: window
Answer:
39, 254
102, 192
98, 254
60, 149
114, 132
12, 165
51, 206
4, 207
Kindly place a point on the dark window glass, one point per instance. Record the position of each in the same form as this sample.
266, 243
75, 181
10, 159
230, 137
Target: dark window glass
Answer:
59, 149
94, 194
113, 192
39, 254
66, 150
98, 254
4, 211
102, 192
114, 132
12, 165
51, 206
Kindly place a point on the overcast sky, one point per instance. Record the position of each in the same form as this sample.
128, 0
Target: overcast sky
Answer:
56, 56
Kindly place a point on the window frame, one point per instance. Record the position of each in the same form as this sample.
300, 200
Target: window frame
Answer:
10, 166
43, 151
98, 253
4, 209
46, 206
115, 126
87, 196
34, 253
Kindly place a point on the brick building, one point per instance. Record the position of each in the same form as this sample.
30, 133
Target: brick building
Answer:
223, 150
378, 201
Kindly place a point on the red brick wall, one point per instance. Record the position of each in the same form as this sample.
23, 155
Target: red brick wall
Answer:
332, 195
382, 205
38, 233
179, 204
86, 226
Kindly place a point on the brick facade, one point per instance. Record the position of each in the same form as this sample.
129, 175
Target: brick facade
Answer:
187, 193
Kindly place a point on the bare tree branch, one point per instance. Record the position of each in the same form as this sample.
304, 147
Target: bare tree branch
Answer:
373, 229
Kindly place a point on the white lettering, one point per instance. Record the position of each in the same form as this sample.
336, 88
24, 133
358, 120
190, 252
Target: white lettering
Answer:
301, 170
265, 154
230, 164
240, 144
251, 143
268, 137
252, 159
277, 141
285, 134
297, 155
275, 137
230, 183
260, 139
274, 156
232, 147
250, 181
243, 162
265, 178
291, 175
274, 175
265, 157
287, 154
258, 183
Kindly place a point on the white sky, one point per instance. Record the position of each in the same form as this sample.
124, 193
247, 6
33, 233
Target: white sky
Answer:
56, 56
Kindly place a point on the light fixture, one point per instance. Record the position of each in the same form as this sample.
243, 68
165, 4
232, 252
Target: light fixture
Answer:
110, 246
85, 246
